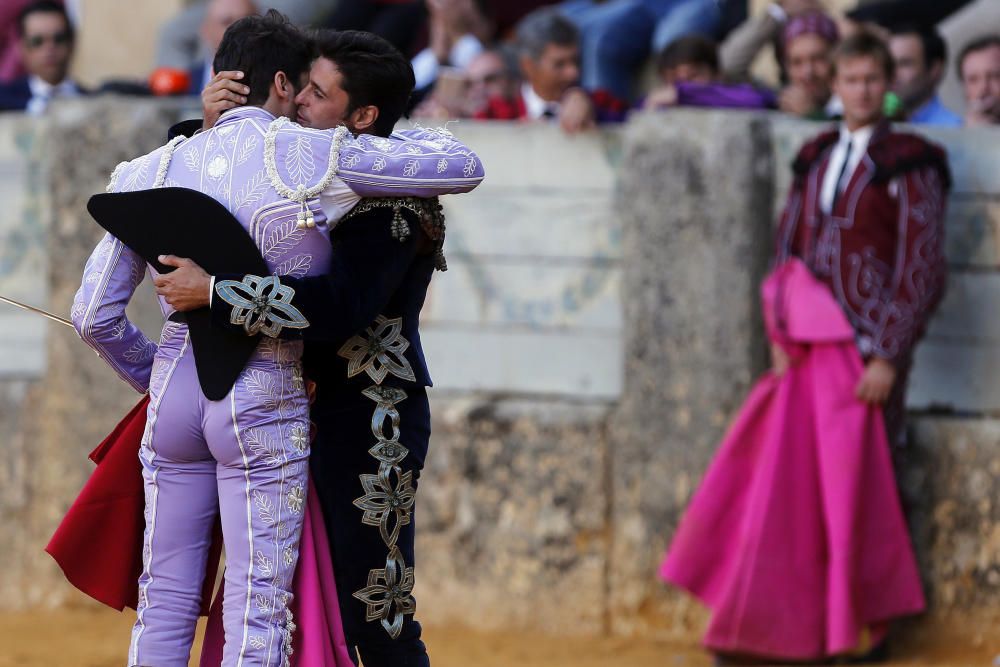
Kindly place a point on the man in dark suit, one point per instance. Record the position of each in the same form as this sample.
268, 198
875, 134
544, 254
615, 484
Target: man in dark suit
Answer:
46, 40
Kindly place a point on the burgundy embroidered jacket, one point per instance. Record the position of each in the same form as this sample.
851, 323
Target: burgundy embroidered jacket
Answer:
881, 250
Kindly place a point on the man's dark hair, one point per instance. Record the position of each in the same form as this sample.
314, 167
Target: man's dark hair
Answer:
689, 50
935, 50
976, 45
262, 46
543, 27
43, 7
374, 73
865, 45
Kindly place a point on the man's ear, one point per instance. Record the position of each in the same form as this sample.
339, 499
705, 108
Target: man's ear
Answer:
283, 88
363, 118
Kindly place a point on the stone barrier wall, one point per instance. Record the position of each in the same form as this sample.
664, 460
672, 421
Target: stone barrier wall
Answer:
596, 332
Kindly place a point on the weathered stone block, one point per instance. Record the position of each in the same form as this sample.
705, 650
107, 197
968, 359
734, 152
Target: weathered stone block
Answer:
697, 235
950, 482
51, 424
512, 516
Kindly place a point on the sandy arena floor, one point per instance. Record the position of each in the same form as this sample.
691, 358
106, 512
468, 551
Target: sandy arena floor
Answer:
94, 637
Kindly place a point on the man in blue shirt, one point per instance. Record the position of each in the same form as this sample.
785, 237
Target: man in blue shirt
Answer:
921, 57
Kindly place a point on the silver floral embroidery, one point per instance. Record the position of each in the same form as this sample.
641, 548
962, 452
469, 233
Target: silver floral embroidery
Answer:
388, 595
286, 636
387, 506
261, 305
298, 382
299, 438
379, 351
296, 498
218, 167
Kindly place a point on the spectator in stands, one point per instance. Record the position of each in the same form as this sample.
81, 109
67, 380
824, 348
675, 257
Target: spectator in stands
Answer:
491, 75
807, 42
46, 38
399, 21
921, 58
689, 73
549, 56
10, 48
458, 31
219, 15
739, 50
805, 37
979, 72
616, 36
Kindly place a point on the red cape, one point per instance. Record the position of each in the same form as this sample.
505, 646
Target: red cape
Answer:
98, 545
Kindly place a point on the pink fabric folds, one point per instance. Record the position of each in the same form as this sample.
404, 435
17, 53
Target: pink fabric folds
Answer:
319, 639
796, 540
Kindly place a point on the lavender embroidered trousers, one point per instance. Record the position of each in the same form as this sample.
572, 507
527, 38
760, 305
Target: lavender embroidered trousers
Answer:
245, 457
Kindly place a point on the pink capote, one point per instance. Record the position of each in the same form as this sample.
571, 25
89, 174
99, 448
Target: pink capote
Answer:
319, 636
796, 540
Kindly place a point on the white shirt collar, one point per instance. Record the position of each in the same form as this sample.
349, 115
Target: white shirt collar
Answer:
859, 138
41, 88
858, 141
42, 93
534, 105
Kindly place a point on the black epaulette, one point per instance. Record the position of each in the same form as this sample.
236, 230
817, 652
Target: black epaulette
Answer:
427, 213
897, 153
812, 151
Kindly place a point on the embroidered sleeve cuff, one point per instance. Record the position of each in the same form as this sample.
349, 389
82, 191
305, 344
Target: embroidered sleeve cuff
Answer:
260, 305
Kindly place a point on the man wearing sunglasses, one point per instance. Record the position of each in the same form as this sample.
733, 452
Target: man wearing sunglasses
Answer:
46, 41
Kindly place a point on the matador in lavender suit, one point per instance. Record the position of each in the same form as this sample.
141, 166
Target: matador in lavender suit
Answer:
246, 456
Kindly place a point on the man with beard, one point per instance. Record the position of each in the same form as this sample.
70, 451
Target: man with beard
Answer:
362, 347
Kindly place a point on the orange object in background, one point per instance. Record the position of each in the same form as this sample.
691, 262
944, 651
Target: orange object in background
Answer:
169, 81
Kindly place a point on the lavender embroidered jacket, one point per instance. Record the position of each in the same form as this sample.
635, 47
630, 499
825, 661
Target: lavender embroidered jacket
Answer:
258, 166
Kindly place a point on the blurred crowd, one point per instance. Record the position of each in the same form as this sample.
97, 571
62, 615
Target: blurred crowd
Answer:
575, 62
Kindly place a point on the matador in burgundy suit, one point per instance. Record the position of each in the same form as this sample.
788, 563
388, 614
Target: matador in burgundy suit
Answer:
877, 242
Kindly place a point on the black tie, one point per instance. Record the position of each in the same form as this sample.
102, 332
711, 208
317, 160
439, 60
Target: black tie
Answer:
841, 185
